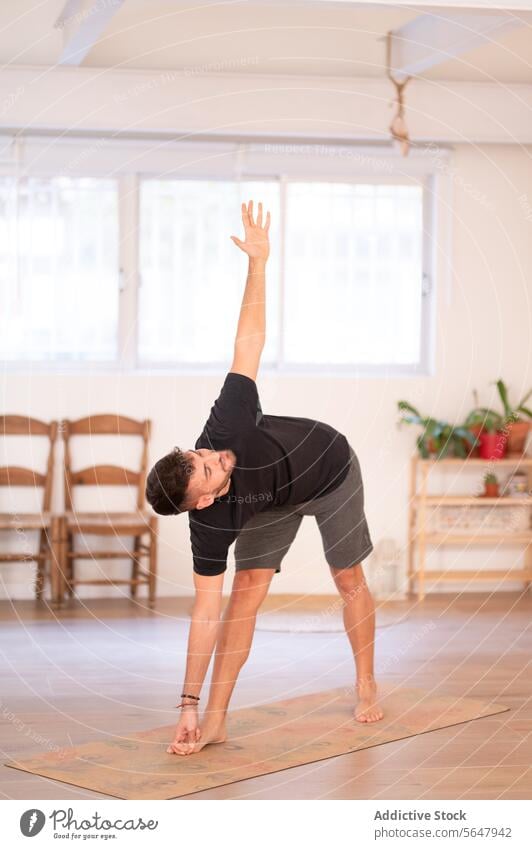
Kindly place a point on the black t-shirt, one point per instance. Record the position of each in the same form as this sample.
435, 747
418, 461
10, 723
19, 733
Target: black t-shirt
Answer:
279, 460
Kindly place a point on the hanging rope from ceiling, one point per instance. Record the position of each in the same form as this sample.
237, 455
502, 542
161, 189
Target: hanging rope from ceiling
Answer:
398, 127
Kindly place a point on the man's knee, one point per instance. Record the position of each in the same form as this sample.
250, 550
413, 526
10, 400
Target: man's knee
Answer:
349, 581
250, 586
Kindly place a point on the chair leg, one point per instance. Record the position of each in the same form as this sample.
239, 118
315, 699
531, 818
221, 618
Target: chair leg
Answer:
135, 567
56, 560
152, 568
68, 570
41, 565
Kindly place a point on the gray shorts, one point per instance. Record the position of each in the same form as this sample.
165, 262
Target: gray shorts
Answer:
265, 539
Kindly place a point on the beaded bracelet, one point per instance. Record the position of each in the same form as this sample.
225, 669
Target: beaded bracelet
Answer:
187, 696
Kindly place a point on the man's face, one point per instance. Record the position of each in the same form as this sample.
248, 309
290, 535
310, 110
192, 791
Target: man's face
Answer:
211, 475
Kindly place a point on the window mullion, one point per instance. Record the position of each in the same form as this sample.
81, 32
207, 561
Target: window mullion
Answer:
128, 189
282, 268
426, 359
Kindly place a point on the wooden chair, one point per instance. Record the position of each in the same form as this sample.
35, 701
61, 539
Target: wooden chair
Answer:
141, 525
47, 525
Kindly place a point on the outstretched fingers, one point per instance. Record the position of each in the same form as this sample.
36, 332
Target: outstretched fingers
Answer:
248, 220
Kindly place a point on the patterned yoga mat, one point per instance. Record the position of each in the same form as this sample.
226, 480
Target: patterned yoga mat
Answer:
261, 740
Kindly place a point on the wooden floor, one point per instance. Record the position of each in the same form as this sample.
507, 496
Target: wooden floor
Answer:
114, 666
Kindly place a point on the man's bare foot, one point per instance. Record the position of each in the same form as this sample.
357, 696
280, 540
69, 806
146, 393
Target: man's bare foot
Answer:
211, 732
367, 708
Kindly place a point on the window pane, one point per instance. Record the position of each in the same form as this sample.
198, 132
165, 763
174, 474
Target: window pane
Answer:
58, 269
193, 275
353, 274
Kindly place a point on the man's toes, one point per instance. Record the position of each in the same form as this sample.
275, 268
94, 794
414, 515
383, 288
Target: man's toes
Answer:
375, 716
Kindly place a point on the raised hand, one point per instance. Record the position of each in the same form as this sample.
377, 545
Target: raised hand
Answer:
256, 244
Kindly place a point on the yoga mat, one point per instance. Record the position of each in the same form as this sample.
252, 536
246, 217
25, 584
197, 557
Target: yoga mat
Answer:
261, 740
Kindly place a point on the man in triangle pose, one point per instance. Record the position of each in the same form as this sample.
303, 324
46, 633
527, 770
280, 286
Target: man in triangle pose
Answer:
252, 477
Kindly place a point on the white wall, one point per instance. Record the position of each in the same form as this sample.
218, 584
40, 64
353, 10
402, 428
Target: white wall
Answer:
483, 332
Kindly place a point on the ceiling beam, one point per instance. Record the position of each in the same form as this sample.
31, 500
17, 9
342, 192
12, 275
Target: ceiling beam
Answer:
434, 38
504, 5
82, 23
113, 100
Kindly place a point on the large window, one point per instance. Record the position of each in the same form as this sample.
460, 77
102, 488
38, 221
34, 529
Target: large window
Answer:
59, 269
139, 271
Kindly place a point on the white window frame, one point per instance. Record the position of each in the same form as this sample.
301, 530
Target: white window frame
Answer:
206, 166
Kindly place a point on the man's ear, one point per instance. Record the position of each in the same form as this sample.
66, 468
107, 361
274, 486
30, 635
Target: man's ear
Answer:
204, 501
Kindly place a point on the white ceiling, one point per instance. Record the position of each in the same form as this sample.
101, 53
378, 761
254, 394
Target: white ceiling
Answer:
319, 38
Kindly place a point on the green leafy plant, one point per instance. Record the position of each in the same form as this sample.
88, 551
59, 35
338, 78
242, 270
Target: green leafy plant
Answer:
488, 419
438, 437
511, 413
490, 478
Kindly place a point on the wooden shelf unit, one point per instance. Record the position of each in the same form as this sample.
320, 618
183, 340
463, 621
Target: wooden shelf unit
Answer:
419, 535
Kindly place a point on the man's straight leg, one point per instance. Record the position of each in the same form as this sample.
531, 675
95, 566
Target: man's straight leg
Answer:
359, 622
250, 587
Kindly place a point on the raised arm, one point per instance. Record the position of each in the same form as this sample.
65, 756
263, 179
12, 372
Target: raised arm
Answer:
251, 331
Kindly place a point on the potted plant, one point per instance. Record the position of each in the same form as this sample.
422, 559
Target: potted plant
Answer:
439, 438
517, 426
474, 424
491, 485
488, 425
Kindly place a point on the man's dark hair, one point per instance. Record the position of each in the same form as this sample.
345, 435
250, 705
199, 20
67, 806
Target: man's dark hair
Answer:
166, 486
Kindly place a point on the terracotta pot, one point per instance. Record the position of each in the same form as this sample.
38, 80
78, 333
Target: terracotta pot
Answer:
491, 490
493, 445
476, 430
517, 434
432, 446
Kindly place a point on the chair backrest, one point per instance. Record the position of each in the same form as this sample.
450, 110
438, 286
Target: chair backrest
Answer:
22, 476
107, 424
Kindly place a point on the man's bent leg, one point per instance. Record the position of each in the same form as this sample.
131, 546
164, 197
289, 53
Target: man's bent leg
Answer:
250, 587
359, 621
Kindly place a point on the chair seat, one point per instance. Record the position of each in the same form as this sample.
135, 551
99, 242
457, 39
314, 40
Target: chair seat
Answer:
109, 523
25, 521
